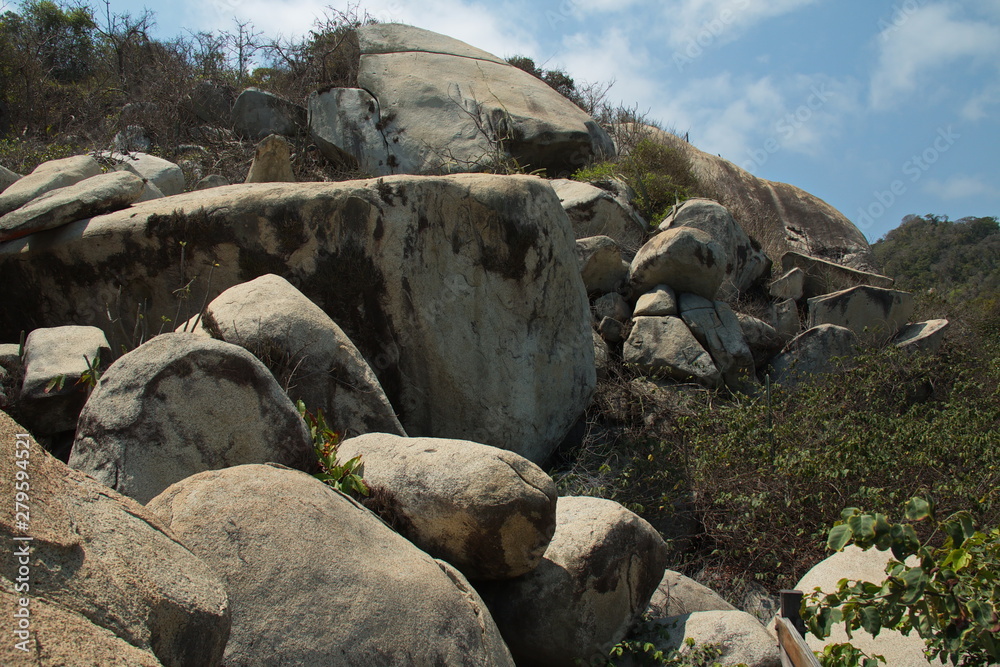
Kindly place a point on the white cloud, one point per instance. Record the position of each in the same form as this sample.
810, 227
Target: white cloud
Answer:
747, 120
961, 187
978, 106
700, 23
927, 39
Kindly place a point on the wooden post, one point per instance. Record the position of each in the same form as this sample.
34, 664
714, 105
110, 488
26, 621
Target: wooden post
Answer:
791, 630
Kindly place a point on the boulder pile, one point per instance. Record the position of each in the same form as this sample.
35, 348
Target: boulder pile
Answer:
451, 327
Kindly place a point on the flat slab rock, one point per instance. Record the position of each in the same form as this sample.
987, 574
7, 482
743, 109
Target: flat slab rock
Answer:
92, 196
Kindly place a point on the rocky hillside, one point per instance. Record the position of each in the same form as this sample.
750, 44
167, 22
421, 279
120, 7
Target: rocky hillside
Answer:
170, 344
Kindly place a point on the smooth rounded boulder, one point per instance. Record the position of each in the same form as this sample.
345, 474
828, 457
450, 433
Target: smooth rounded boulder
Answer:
745, 263
594, 581
314, 579
487, 511
181, 404
685, 258
306, 350
114, 580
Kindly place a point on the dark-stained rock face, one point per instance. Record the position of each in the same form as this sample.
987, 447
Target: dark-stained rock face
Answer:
779, 216
181, 404
463, 293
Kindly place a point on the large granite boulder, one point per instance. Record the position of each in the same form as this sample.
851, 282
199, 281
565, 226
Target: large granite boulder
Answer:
47, 176
316, 579
104, 575
677, 595
92, 196
685, 258
442, 106
271, 161
922, 336
716, 327
181, 404
665, 346
462, 292
601, 264
487, 511
746, 263
781, 217
739, 637
856, 564
345, 124
593, 583
306, 351
7, 178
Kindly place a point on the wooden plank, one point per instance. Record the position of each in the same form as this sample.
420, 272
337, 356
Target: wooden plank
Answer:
792, 644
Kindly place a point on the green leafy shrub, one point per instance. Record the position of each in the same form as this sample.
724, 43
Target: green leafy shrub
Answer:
660, 176
950, 595
345, 477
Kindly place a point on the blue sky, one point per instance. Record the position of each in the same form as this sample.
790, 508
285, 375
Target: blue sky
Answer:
882, 108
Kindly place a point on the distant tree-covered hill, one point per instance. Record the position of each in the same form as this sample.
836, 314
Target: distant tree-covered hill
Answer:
957, 259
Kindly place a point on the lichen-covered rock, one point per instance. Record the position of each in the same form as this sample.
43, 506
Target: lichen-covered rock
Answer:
716, 327
781, 216
873, 313
823, 276
738, 635
164, 174
344, 123
821, 349
306, 351
685, 258
791, 285
258, 113
181, 404
594, 581
612, 305
745, 263
316, 579
272, 161
445, 284
922, 336
657, 302
109, 584
487, 511
665, 346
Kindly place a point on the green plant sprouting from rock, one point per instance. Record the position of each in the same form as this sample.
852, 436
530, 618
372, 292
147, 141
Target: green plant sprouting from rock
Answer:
346, 476
946, 586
